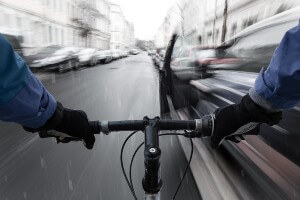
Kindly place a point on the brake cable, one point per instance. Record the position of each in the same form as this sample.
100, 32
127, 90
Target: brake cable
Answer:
130, 183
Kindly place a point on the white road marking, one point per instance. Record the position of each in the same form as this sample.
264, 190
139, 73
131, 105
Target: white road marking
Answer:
223, 99
53, 78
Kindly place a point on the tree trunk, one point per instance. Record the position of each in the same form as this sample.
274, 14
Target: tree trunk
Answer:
224, 29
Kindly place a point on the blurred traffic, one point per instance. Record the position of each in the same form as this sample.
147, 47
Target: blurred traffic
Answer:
59, 59
206, 55
205, 78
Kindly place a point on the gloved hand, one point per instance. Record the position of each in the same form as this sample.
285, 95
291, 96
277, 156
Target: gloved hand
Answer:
245, 118
74, 123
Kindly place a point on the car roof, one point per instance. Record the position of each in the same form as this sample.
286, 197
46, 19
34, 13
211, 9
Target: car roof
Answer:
281, 18
197, 47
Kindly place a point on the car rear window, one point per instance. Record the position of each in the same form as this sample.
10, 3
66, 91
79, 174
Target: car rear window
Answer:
224, 54
13, 41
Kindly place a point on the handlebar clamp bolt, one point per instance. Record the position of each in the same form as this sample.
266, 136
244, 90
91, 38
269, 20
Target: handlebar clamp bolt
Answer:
152, 150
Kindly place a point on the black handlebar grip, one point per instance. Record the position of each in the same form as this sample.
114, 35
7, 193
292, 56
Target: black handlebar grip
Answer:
95, 127
207, 125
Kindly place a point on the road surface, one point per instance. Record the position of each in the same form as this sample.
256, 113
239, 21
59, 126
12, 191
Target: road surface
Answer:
35, 169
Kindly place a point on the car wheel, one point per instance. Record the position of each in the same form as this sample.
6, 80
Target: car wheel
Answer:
70, 65
76, 65
61, 68
92, 62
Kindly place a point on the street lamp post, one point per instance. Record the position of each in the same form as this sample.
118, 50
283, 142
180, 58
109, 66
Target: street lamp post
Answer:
224, 29
214, 24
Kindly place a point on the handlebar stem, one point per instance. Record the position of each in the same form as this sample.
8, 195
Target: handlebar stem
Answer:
152, 182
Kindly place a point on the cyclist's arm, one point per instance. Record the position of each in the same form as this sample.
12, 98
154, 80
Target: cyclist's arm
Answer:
278, 86
23, 98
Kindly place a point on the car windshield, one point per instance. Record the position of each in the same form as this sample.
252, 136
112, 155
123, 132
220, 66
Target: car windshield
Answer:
207, 53
224, 54
65, 50
86, 51
48, 50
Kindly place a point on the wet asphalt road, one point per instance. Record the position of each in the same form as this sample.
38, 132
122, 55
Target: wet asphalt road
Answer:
37, 169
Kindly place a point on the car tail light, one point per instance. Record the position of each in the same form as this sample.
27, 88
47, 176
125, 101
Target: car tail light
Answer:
216, 61
176, 63
225, 61
206, 61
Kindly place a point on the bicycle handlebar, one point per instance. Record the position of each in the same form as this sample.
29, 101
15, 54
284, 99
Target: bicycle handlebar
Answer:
151, 182
201, 126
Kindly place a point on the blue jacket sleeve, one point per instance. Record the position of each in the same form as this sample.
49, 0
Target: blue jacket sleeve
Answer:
279, 86
23, 98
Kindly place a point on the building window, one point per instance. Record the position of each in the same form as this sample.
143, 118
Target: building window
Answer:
62, 37
56, 36
61, 6
209, 34
249, 22
73, 11
50, 34
244, 24
233, 30
19, 23
217, 36
252, 20
45, 36
54, 4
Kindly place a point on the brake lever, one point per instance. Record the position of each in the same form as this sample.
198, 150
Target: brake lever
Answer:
59, 136
240, 134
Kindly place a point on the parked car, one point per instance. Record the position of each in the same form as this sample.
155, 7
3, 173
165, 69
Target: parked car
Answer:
195, 62
61, 60
103, 56
87, 57
273, 157
151, 52
124, 54
40, 54
134, 51
116, 54
158, 59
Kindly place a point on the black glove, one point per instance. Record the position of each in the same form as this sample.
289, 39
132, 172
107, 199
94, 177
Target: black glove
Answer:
233, 121
74, 123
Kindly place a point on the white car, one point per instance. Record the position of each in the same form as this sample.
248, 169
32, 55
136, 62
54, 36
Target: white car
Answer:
87, 57
103, 56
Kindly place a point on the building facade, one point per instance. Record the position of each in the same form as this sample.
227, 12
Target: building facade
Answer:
241, 14
173, 22
53, 22
122, 31
90, 23
202, 20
